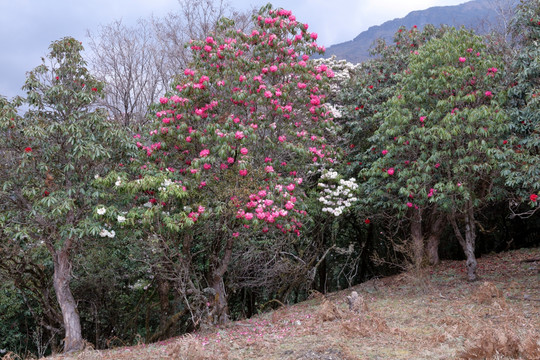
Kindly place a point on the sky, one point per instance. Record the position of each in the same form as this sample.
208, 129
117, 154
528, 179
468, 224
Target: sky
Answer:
27, 27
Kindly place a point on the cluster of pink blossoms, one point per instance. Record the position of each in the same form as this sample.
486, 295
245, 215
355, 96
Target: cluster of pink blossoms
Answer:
232, 113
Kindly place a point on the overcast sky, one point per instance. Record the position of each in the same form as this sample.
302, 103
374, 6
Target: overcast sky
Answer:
27, 27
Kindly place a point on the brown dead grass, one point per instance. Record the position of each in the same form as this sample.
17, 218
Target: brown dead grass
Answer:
432, 314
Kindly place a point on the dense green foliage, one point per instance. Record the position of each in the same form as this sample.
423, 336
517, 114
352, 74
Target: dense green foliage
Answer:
261, 175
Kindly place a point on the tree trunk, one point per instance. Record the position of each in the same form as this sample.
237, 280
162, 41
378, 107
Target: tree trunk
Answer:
73, 340
417, 238
434, 238
220, 308
468, 242
220, 311
164, 288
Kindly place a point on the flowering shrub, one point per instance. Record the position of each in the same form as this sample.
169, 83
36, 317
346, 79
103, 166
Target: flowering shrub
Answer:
441, 135
249, 114
338, 194
233, 143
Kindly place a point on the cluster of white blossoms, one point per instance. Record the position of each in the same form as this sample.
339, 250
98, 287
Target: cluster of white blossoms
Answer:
338, 194
107, 233
165, 184
343, 71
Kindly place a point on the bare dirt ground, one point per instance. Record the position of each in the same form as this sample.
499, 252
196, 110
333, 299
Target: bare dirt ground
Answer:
435, 314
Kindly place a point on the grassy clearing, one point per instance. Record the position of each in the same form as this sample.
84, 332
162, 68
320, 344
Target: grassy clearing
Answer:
434, 314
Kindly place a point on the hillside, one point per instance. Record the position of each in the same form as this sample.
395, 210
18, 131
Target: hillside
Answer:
432, 315
477, 14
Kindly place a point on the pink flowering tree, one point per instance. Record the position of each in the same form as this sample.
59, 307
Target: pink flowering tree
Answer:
361, 97
234, 144
442, 139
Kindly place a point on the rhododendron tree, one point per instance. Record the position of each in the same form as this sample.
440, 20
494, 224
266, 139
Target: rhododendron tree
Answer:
523, 172
361, 98
235, 141
50, 156
443, 138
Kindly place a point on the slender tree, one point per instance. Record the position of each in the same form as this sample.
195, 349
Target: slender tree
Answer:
53, 153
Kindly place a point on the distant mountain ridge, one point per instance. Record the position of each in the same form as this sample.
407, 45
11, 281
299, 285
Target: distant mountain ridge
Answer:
476, 14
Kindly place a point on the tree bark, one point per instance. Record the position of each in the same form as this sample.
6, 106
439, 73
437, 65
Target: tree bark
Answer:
220, 310
434, 238
417, 238
163, 287
73, 340
468, 242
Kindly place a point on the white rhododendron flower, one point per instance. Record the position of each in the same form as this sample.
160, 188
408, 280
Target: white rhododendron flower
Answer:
101, 211
107, 233
337, 193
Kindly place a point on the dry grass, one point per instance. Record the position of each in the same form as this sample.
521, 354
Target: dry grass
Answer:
434, 314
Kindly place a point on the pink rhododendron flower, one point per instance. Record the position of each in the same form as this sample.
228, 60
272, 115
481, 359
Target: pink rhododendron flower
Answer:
462, 59
244, 151
409, 204
204, 153
384, 152
207, 166
249, 216
282, 138
390, 171
533, 197
230, 160
163, 100
488, 93
242, 172
269, 169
